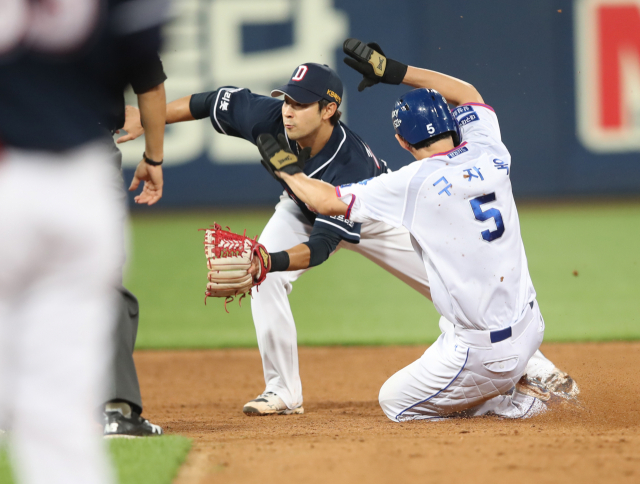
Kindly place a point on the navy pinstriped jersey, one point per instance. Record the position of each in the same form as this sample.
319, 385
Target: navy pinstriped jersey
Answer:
344, 159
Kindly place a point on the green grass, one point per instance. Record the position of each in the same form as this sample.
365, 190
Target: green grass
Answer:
150, 460
349, 300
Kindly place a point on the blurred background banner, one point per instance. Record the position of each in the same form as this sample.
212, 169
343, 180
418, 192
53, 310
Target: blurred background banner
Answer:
563, 77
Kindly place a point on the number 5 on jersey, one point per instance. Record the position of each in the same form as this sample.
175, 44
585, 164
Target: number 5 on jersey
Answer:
492, 213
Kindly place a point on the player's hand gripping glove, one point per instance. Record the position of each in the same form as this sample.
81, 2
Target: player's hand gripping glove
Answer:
370, 61
229, 258
277, 155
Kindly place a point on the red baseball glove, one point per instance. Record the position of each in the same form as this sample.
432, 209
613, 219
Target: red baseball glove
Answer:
229, 258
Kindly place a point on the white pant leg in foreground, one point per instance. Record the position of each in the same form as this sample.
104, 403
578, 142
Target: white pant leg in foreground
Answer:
272, 316
454, 376
59, 252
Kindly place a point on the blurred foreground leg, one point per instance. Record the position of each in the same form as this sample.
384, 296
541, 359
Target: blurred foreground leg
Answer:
60, 253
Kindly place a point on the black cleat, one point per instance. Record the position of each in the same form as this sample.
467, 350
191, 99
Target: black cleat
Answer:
116, 425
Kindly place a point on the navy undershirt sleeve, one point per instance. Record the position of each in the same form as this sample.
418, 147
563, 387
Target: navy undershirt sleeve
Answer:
200, 104
321, 244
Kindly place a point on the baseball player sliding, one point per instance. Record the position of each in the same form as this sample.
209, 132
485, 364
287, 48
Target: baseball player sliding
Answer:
456, 202
297, 238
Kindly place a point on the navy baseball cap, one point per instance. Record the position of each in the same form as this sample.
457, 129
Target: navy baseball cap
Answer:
311, 82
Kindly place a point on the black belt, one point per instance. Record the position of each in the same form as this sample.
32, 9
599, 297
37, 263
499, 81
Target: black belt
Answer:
502, 334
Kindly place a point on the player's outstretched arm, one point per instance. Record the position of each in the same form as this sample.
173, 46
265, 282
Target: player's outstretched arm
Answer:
370, 61
455, 91
319, 195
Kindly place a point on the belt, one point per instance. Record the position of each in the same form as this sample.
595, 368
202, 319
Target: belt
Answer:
484, 339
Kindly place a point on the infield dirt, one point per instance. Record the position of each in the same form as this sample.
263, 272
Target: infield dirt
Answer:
344, 437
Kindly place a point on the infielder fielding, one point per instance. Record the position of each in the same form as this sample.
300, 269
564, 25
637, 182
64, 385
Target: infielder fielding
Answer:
296, 237
456, 202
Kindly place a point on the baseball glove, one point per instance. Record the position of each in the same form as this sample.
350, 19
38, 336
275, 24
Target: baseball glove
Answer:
229, 258
370, 61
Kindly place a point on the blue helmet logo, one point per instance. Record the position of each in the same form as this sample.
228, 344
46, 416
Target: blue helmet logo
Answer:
422, 114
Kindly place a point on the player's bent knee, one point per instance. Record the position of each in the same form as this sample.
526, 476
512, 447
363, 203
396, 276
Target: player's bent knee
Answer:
389, 399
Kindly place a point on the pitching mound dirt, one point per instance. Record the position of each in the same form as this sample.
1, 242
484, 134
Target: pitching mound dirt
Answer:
344, 437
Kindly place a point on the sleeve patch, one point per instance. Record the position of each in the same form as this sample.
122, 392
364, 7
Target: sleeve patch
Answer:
462, 110
469, 118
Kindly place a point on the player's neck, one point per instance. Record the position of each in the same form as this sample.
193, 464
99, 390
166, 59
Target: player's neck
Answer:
317, 139
437, 147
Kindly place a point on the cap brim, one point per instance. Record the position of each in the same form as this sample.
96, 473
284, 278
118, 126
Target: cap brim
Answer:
296, 93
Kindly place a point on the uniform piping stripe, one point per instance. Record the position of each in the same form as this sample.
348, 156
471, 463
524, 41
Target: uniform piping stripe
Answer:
337, 226
353, 199
334, 155
439, 391
479, 104
532, 404
338, 192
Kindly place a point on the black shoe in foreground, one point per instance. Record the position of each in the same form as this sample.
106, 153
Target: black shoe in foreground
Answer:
117, 425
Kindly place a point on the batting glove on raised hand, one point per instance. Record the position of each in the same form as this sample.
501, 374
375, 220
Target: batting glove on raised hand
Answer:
370, 61
277, 155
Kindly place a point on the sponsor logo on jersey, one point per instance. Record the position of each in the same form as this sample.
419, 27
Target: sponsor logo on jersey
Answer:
224, 102
607, 52
461, 110
465, 115
340, 218
457, 152
332, 94
469, 118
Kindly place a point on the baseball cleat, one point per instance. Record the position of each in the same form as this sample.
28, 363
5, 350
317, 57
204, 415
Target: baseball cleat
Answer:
561, 383
534, 388
127, 425
269, 404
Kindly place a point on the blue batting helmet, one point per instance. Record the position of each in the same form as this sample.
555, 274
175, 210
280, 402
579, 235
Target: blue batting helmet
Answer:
422, 114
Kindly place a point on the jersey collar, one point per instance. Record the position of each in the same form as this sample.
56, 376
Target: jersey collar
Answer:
447, 152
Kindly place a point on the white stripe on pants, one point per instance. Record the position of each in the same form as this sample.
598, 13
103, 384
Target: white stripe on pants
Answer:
59, 252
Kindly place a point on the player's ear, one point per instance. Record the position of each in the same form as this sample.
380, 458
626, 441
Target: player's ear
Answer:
402, 142
329, 110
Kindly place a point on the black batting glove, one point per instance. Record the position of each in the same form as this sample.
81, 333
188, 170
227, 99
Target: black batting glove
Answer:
370, 61
277, 155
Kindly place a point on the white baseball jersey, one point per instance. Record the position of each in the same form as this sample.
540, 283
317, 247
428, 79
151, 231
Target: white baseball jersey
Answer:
459, 209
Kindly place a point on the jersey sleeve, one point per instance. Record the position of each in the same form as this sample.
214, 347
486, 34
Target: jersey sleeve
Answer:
346, 228
239, 112
381, 198
478, 123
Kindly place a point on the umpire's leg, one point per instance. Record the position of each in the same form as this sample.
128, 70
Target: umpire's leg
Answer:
124, 385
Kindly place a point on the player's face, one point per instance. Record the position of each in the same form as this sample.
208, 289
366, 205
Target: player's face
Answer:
300, 120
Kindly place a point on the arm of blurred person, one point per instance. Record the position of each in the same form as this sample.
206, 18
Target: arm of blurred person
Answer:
153, 115
176, 112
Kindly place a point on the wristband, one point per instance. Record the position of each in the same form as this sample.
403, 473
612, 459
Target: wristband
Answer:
279, 261
394, 72
149, 161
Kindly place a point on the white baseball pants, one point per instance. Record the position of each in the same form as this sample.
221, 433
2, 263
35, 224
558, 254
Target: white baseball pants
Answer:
60, 250
464, 373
